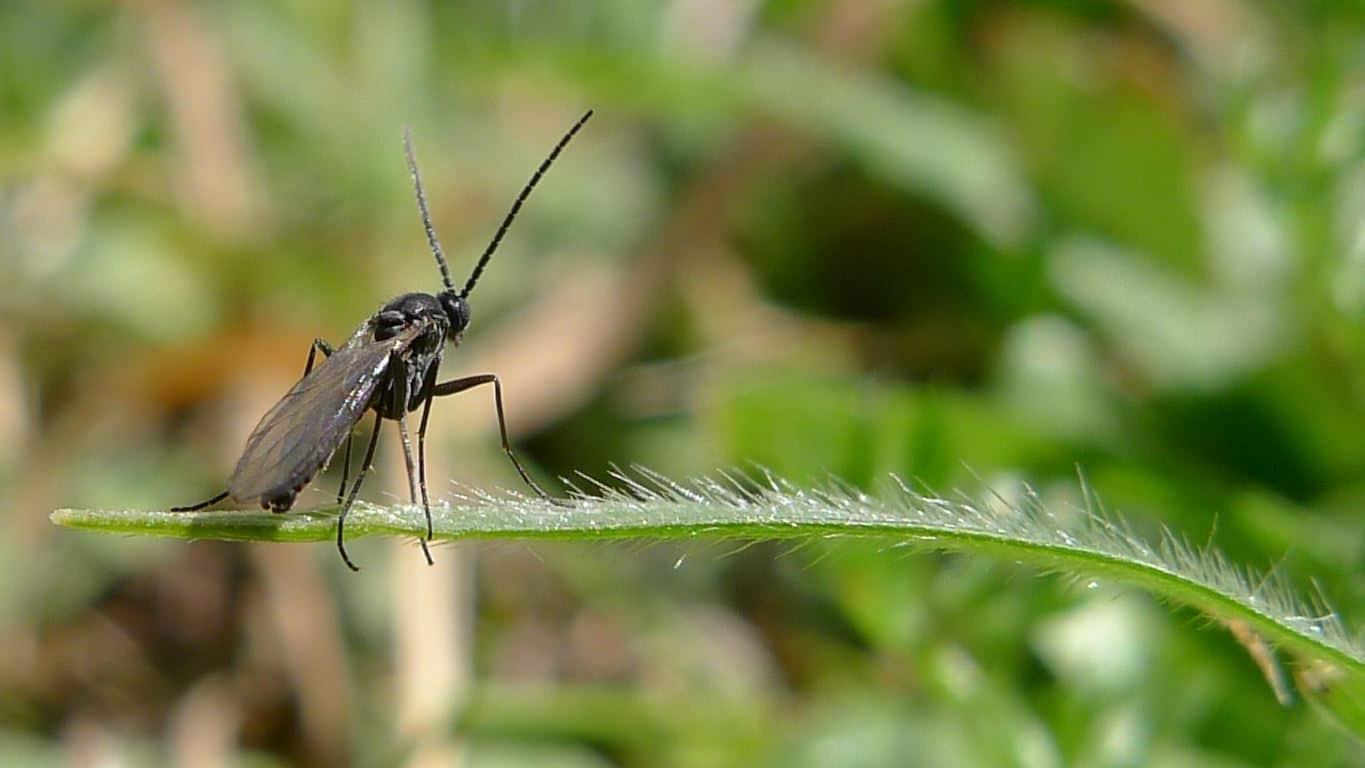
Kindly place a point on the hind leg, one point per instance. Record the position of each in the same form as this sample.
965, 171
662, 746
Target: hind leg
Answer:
318, 346
202, 504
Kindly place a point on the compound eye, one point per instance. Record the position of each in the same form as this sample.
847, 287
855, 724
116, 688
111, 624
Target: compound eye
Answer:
457, 311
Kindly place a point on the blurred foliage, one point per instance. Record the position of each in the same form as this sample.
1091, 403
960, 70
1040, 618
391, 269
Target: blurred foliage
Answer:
934, 238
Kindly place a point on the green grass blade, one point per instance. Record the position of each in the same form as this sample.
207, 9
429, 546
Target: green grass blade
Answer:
648, 505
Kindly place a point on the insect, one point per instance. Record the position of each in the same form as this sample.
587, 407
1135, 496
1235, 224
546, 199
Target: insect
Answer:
389, 366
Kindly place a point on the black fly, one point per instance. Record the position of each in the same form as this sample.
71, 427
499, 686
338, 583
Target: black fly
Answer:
389, 365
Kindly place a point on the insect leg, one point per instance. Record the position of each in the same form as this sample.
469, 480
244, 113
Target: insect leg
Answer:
318, 346
355, 489
469, 382
412, 482
321, 345
427, 388
202, 504
345, 467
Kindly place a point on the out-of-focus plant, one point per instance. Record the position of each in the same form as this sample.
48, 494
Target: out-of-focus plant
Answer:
828, 238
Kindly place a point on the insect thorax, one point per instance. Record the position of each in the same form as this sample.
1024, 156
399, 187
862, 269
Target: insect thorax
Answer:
408, 376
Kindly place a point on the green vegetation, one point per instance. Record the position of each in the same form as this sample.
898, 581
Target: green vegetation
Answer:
978, 246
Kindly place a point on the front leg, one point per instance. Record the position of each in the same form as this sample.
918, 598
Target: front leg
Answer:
456, 386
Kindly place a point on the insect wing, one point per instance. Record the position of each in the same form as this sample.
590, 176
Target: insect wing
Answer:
298, 435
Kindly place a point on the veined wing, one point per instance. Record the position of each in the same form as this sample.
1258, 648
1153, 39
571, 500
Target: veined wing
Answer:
300, 433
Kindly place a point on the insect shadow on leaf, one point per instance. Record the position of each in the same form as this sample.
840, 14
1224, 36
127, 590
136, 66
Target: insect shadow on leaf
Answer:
389, 366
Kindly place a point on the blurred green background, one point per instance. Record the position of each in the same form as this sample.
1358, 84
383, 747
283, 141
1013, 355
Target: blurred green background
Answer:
931, 238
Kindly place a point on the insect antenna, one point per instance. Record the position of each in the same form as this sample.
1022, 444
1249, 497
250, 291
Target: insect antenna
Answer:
512, 214
426, 217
